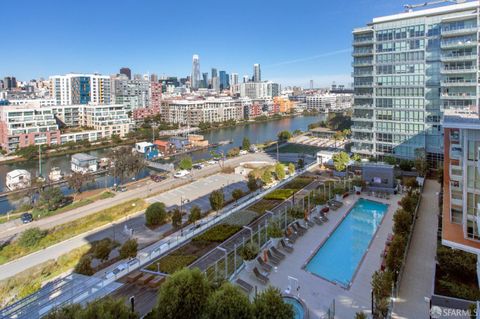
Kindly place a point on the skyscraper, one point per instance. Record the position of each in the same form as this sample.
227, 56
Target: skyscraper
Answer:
408, 68
246, 79
223, 80
9, 82
195, 79
233, 79
257, 76
127, 72
205, 80
215, 80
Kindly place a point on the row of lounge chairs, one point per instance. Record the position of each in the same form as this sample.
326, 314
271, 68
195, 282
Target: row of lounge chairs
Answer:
380, 195
334, 204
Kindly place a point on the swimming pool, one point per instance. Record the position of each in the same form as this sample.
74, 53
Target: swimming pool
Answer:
299, 308
339, 256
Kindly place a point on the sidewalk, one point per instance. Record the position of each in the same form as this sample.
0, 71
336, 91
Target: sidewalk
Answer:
417, 281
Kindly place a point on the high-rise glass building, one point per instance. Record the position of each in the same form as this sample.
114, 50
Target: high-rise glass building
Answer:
257, 75
127, 72
407, 69
195, 79
224, 80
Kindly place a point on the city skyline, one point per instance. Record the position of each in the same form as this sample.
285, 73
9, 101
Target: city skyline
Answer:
288, 53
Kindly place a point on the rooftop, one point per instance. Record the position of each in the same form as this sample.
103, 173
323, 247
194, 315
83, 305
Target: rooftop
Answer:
461, 119
83, 157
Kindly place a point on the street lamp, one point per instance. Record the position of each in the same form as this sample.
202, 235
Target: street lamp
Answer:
182, 201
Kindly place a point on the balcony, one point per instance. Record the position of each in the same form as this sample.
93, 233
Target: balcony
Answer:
362, 139
459, 82
456, 152
362, 63
357, 53
362, 128
362, 74
363, 41
458, 96
458, 57
362, 148
455, 31
362, 95
459, 70
458, 44
363, 106
362, 118
363, 85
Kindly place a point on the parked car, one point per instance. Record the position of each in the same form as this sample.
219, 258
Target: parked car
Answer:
243, 152
26, 218
157, 178
198, 166
181, 174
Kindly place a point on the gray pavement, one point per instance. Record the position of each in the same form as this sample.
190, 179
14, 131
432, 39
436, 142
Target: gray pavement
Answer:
11, 229
418, 276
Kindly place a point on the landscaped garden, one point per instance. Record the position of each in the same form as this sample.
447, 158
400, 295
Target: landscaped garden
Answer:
279, 194
299, 183
297, 148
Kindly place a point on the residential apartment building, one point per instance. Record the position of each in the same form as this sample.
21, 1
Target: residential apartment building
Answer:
193, 112
132, 94
408, 68
80, 89
329, 102
32, 124
461, 203
256, 90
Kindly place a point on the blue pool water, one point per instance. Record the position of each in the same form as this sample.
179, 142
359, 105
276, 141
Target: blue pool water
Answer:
340, 255
299, 311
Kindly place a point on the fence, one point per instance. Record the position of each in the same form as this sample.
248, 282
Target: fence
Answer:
68, 290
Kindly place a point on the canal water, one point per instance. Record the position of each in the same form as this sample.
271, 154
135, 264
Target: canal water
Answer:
256, 132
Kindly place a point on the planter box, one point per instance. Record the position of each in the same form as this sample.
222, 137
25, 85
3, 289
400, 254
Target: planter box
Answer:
339, 197
357, 189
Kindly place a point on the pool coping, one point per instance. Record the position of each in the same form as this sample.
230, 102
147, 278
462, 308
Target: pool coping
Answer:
306, 315
336, 283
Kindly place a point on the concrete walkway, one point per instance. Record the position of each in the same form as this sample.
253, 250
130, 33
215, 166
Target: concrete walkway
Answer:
417, 281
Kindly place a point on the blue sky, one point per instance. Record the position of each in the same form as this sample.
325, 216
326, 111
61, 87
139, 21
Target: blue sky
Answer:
294, 41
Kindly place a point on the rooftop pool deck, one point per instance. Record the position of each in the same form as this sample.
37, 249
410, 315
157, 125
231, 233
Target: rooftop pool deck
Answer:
318, 293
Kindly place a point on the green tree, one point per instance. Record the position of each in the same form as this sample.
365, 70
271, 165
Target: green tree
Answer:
76, 180
267, 177
246, 144
252, 182
228, 303
102, 249
156, 214
31, 237
176, 218
340, 161
291, 168
237, 194
269, 304
390, 160
186, 163
396, 252
408, 203
402, 220
381, 286
84, 266
127, 164
300, 163
51, 198
105, 308
28, 152
420, 163
280, 171
183, 295
195, 214
284, 136
116, 139
217, 199
339, 122
129, 249
361, 315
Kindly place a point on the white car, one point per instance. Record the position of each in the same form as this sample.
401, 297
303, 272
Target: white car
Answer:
243, 152
181, 174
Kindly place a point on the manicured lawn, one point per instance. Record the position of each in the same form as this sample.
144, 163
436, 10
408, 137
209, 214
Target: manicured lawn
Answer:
240, 218
280, 194
30, 280
65, 231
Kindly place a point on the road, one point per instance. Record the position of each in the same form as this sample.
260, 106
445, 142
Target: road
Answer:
197, 191
10, 229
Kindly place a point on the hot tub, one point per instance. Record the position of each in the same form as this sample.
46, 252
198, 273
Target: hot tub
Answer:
299, 307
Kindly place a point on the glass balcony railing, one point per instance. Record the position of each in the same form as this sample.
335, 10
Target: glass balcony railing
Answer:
362, 74
458, 44
357, 127
363, 106
359, 41
458, 69
459, 30
362, 52
458, 57
459, 82
362, 63
363, 84
461, 96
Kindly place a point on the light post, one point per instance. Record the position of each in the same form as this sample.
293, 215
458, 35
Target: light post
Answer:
182, 201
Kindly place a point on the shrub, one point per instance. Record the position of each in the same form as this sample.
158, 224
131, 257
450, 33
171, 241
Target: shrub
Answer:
381, 286
456, 262
233, 152
409, 203
274, 231
101, 308
217, 233
176, 218
228, 302
183, 295
195, 214
246, 144
269, 304
252, 182
31, 237
102, 249
458, 289
340, 161
406, 165
249, 251
217, 199
296, 212
402, 221
291, 168
237, 194
299, 183
396, 252
267, 177
173, 262
84, 266
155, 214
129, 249
280, 171
186, 163
279, 194
338, 191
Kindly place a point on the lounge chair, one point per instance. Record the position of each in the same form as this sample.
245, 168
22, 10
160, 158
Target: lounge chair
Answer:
263, 264
332, 206
292, 236
286, 246
260, 276
277, 253
245, 286
338, 203
309, 223
273, 259
300, 226
297, 230
318, 220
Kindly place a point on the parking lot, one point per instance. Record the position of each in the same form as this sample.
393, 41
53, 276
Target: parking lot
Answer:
198, 192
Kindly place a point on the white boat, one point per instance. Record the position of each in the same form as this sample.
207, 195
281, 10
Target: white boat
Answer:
18, 179
55, 174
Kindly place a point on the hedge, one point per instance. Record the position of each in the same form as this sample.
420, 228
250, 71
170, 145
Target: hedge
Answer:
279, 194
298, 183
173, 262
218, 233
